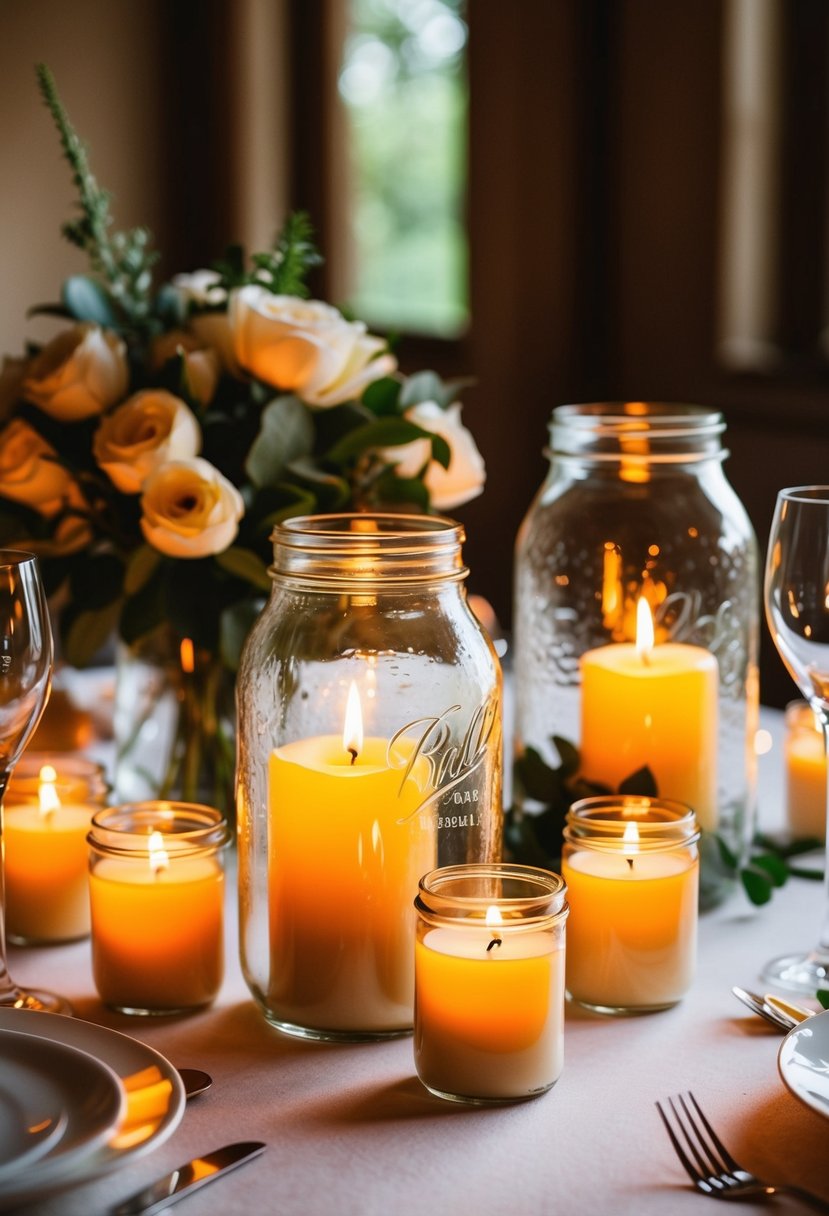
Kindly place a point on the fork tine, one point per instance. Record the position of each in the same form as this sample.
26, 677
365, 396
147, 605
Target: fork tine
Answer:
728, 1160
708, 1165
680, 1151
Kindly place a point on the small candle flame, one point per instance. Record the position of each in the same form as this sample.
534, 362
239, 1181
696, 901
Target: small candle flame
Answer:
493, 917
630, 840
187, 655
353, 726
47, 795
158, 854
644, 629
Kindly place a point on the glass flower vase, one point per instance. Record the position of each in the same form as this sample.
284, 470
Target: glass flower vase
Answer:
174, 723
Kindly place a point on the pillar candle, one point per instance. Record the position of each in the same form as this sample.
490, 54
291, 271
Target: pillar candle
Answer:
806, 787
655, 706
44, 841
347, 843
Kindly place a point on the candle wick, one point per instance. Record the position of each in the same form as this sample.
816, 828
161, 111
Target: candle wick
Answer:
629, 860
352, 751
496, 941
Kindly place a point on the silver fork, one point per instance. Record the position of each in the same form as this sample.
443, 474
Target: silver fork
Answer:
708, 1162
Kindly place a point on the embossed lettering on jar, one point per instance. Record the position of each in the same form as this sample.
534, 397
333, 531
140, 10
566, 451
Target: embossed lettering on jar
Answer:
635, 506
369, 713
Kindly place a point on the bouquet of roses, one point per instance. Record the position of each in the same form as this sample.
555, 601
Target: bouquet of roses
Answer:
149, 448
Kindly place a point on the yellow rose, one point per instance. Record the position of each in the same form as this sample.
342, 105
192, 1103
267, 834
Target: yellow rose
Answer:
190, 509
80, 373
29, 474
202, 363
149, 429
305, 347
464, 479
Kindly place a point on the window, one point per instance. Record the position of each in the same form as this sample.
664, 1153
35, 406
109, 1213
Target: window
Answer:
402, 82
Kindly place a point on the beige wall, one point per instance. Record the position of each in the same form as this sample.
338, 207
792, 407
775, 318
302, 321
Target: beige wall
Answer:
103, 55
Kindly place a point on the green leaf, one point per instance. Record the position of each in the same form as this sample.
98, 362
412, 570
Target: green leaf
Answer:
245, 564
441, 452
727, 857
394, 489
428, 386
521, 841
538, 780
87, 300
382, 397
758, 886
642, 784
141, 566
384, 432
772, 865
234, 626
89, 632
329, 488
286, 434
822, 996
568, 755
297, 501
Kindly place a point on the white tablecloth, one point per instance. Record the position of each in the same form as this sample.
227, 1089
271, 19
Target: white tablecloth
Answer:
351, 1132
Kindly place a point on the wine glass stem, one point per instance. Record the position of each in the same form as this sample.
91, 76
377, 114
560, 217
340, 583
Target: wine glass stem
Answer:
7, 987
823, 947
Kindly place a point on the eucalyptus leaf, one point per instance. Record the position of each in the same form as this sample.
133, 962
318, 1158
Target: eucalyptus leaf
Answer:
772, 865
245, 564
758, 885
89, 632
87, 300
427, 386
286, 433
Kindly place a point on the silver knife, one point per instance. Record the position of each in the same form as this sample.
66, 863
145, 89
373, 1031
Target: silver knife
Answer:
187, 1178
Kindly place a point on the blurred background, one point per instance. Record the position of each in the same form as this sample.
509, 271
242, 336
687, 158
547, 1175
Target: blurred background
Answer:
564, 200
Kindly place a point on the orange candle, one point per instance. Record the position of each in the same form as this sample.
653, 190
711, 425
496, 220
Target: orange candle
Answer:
805, 772
489, 982
631, 869
654, 706
157, 900
47, 892
347, 844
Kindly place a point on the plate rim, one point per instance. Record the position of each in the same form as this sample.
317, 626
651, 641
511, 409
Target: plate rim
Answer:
111, 1044
785, 1064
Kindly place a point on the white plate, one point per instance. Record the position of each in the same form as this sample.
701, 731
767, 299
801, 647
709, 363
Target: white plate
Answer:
77, 1101
153, 1110
803, 1060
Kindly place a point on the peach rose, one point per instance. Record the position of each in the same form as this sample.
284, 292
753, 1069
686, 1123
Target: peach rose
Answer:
202, 363
29, 472
464, 479
149, 429
190, 509
80, 373
305, 347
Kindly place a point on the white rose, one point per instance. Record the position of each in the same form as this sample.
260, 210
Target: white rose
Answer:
464, 479
80, 373
202, 362
29, 474
149, 429
305, 347
190, 509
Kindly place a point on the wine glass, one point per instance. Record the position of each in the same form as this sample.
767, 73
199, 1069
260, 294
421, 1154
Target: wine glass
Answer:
797, 611
25, 675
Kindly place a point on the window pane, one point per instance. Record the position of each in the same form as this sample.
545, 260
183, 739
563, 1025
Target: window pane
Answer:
403, 84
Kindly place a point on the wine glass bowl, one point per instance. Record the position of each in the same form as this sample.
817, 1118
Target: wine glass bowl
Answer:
25, 674
797, 611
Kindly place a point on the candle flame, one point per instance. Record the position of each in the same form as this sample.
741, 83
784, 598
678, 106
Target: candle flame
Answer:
47, 795
353, 725
158, 854
644, 629
630, 840
493, 917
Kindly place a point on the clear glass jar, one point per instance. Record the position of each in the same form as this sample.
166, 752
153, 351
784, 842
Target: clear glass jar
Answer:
48, 808
369, 751
489, 982
636, 506
631, 866
156, 894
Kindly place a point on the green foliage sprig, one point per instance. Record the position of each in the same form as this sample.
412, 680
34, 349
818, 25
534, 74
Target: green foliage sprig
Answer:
536, 839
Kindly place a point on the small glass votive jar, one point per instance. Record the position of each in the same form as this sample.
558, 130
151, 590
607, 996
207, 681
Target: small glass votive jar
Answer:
489, 982
806, 784
631, 866
156, 887
47, 812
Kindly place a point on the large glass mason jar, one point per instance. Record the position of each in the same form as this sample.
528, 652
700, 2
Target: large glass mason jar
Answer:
636, 625
369, 752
